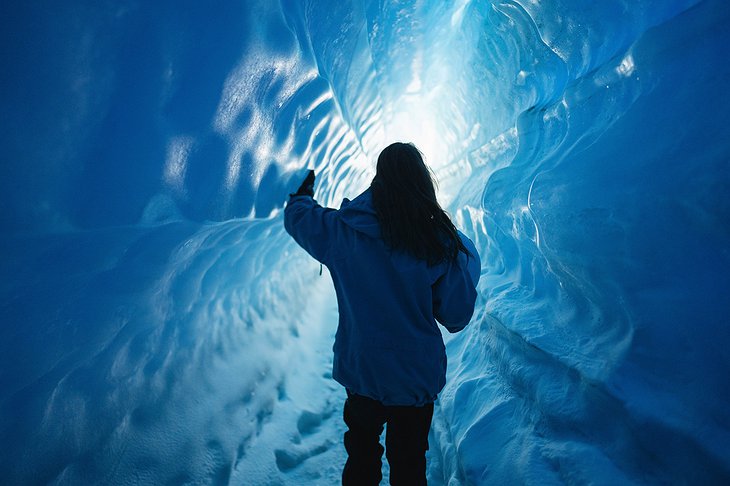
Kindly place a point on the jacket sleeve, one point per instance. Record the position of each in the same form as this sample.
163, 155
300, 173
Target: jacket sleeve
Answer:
454, 294
311, 225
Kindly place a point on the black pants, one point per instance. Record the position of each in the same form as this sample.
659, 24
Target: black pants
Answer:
406, 442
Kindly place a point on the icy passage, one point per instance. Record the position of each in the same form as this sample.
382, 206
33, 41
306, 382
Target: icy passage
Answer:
157, 325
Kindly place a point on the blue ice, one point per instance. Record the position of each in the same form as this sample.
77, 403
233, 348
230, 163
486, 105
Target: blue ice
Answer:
157, 326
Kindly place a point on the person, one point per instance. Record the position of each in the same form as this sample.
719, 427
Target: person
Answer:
398, 265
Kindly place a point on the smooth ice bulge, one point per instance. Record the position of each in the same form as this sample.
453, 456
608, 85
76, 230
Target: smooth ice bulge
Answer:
158, 326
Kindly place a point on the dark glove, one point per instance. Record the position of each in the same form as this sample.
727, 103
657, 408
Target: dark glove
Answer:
307, 187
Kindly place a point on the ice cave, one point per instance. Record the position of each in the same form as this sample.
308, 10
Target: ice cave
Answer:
158, 326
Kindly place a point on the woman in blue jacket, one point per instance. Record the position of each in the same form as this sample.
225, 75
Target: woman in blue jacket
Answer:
398, 265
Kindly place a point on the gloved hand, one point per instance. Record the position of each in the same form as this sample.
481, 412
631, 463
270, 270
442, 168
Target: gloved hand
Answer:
307, 187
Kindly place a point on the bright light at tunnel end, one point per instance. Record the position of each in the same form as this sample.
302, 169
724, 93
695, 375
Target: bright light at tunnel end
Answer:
418, 126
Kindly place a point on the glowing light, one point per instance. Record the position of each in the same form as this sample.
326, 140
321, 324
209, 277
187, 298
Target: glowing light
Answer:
418, 125
178, 150
627, 66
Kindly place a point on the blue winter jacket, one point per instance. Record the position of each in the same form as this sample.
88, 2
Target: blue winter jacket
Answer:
388, 346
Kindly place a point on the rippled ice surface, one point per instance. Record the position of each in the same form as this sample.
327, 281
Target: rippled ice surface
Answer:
159, 327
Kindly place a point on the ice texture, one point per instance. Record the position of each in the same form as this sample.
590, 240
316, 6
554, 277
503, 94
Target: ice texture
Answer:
157, 325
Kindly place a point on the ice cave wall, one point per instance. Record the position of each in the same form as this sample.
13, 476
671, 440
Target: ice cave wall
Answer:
147, 151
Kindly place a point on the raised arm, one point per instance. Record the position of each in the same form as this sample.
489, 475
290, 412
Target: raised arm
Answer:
311, 225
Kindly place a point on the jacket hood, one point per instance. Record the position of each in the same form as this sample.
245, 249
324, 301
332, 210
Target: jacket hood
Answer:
360, 215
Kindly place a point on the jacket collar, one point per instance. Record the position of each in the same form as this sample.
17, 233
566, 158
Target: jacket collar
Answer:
360, 215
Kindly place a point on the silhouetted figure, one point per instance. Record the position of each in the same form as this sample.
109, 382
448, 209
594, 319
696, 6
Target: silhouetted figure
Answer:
398, 265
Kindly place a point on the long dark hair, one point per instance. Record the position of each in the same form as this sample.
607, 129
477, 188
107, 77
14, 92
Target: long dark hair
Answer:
409, 214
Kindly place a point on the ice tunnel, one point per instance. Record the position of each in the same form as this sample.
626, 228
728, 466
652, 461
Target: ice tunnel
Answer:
158, 326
